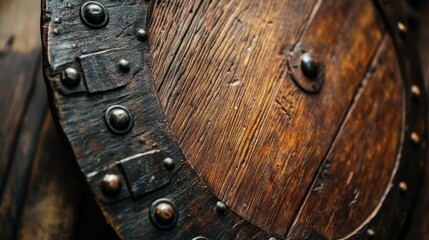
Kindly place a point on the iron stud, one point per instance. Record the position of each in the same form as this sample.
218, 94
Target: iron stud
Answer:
163, 213
200, 238
168, 164
415, 138
415, 92
403, 187
119, 119
70, 78
94, 15
370, 233
309, 66
141, 35
402, 27
220, 208
124, 65
111, 185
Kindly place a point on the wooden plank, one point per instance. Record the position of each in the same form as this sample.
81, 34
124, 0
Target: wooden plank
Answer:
353, 180
54, 198
250, 133
16, 182
19, 56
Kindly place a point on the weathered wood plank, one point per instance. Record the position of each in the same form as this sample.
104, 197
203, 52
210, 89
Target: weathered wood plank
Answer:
19, 56
16, 182
347, 187
54, 198
265, 123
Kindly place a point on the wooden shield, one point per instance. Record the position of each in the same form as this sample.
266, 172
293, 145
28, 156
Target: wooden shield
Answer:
240, 119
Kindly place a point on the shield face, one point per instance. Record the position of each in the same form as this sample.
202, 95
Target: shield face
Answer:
291, 119
276, 152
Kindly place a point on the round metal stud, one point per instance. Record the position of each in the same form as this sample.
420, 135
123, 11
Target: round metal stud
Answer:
403, 187
168, 164
402, 28
56, 31
111, 184
119, 119
415, 92
309, 66
124, 65
70, 78
220, 208
141, 35
94, 15
370, 233
272, 238
415, 138
163, 213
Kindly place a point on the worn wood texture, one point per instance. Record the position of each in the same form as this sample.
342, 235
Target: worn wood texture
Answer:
348, 170
53, 202
19, 49
244, 124
223, 74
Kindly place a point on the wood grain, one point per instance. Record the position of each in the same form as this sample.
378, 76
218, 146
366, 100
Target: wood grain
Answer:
347, 187
53, 202
251, 134
19, 49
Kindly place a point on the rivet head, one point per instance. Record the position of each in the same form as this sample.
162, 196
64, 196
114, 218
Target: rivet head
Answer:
119, 119
141, 34
111, 184
220, 208
415, 91
370, 233
94, 15
163, 213
272, 238
70, 78
168, 164
403, 187
415, 138
124, 66
402, 27
309, 66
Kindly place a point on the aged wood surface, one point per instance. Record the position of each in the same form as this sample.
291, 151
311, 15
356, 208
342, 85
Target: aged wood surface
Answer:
19, 49
243, 124
16, 183
347, 187
222, 72
22, 106
54, 198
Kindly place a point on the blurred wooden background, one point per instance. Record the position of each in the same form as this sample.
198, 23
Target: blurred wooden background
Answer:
42, 194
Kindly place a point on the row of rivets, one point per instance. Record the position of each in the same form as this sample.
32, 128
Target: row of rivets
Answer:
94, 15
